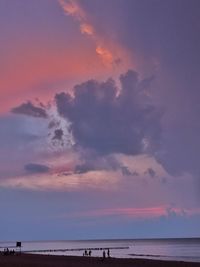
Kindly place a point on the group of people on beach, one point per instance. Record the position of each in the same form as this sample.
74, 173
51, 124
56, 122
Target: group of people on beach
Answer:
89, 253
108, 254
6, 252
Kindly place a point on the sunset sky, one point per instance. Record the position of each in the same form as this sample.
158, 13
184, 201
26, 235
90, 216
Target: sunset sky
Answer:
99, 119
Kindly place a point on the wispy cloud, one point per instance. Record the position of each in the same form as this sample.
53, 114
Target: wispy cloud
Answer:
64, 182
30, 109
111, 55
139, 213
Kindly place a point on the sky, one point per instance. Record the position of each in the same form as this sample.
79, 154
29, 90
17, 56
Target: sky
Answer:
99, 119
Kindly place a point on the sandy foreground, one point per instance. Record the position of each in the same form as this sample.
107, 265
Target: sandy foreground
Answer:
28, 260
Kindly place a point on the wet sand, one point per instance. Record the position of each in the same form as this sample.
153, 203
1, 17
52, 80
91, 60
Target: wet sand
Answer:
28, 260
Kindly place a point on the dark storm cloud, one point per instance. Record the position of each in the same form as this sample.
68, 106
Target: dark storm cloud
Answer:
110, 122
36, 168
30, 109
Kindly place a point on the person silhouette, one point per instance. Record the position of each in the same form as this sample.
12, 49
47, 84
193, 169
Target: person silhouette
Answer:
108, 253
104, 254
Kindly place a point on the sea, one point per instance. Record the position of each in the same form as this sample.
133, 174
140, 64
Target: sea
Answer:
175, 249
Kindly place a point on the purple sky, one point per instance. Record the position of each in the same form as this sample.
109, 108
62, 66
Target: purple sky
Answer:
99, 119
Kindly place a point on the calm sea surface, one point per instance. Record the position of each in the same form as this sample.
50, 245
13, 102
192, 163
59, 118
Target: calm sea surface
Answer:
165, 249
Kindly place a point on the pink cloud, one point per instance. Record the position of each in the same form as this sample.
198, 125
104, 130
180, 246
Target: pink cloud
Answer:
44, 69
140, 213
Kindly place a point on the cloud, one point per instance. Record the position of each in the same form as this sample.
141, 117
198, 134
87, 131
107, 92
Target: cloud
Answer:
53, 123
109, 120
83, 168
58, 135
110, 54
73, 8
150, 172
21, 140
36, 168
91, 161
126, 172
91, 181
30, 109
138, 213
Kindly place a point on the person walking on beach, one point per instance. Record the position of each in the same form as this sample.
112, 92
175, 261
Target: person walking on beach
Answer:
108, 253
104, 254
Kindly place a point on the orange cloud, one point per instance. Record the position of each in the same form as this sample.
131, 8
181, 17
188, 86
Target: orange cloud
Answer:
110, 55
71, 7
87, 29
106, 55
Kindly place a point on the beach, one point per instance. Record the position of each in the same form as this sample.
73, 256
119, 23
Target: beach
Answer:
33, 260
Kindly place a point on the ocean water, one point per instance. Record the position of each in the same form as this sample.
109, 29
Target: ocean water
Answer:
166, 249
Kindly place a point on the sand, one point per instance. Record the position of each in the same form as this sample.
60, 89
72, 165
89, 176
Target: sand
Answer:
28, 260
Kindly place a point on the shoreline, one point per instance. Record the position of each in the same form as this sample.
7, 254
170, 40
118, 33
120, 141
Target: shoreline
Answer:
36, 260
